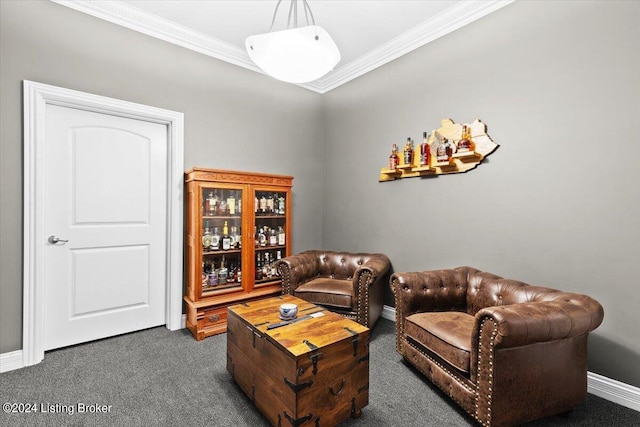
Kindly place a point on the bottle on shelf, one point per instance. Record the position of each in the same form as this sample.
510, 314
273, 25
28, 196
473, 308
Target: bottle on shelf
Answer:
266, 269
262, 237
215, 239
273, 237
235, 237
223, 273
258, 267
408, 152
239, 272
226, 239
206, 237
270, 204
256, 204
425, 150
281, 204
278, 258
222, 205
263, 205
215, 201
465, 144
213, 275
281, 236
231, 203
393, 157
273, 272
444, 151
210, 204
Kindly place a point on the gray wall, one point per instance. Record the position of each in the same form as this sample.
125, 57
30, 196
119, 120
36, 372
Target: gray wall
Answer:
234, 118
558, 84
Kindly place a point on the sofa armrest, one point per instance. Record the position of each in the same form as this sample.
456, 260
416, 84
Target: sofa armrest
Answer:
374, 269
566, 315
296, 269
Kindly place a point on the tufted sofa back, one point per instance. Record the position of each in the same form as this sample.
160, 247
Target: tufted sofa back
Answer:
338, 265
488, 290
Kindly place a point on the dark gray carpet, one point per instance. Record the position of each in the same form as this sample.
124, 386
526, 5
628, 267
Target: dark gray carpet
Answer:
157, 377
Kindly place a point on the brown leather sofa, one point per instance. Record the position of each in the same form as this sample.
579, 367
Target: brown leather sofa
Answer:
351, 284
505, 351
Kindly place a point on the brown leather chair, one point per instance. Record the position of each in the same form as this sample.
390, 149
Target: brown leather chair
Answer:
505, 351
351, 284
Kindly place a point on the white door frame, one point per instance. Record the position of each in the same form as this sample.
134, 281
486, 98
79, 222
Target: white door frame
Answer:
36, 96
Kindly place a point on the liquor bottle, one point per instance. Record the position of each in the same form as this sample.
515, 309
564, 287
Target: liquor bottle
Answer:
273, 237
239, 278
231, 203
408, 152
266, 269
281, 236
465, 143
256, 204
256, 237
210, 205
206, 270
215, 239
232, 273
263, 204
270, 204
444, 151
425, 150
213, 276
222, 205
281, 204
262, 237
258, 268
235, 238
226, 239
393, 158
214, 204
223, 273
206, 238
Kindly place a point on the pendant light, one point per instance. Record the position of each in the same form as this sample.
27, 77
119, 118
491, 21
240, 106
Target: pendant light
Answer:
294, 55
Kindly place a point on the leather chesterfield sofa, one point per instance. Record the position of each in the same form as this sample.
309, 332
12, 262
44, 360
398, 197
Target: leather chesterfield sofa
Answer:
505, 351
350, 284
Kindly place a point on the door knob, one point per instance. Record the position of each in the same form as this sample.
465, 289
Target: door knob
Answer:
55, 239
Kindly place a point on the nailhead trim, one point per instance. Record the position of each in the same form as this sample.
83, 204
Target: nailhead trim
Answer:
492, 339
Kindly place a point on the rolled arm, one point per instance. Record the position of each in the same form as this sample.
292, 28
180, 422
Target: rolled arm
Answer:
375, 268
296, 269
566, 316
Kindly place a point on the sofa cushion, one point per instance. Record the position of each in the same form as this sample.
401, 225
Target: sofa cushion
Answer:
327, 291
447, 334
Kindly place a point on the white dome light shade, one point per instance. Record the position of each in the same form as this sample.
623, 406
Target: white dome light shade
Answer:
298, 55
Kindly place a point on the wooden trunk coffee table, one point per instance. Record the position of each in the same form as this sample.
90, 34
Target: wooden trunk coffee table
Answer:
313, 372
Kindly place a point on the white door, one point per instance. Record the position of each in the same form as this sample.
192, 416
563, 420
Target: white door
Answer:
105, 200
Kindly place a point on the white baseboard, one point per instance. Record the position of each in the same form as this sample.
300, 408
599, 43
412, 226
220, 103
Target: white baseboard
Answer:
11, 361
598, 385
183, 321
614, 391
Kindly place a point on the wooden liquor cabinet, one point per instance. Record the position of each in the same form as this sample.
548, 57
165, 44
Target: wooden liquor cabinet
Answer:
237, 224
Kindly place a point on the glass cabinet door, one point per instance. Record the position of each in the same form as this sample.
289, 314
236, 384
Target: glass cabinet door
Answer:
270, 230
221, 239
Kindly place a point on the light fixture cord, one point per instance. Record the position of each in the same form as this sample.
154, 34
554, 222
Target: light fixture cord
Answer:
293, 10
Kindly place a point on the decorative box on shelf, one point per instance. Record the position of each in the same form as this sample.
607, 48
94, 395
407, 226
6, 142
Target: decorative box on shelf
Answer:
453, 148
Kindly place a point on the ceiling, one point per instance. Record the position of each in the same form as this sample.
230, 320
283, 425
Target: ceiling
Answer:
368, 33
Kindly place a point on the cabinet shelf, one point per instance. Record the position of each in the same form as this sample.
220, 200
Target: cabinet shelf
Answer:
206, 191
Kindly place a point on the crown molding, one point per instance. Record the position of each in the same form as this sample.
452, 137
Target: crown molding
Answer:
457, 16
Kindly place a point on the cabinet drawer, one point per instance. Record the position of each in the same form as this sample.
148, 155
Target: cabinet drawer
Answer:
212, 317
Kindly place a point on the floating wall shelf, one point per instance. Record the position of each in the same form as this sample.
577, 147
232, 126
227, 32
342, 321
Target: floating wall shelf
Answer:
459, 162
